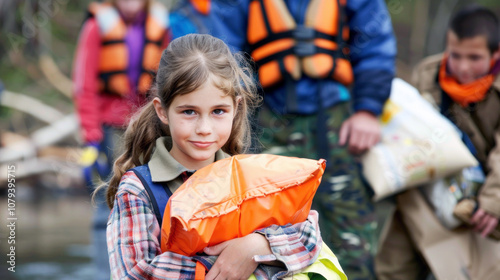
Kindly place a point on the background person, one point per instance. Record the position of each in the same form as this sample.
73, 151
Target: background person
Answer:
118, 52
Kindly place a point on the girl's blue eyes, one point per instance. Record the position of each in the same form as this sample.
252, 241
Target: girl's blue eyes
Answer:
192, 112
188, 112
219, 111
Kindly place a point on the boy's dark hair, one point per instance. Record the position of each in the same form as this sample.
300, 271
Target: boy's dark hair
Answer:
475, 20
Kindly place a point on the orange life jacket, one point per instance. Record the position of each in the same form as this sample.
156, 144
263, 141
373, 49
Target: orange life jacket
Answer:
113, 61
283, 49
202, 6
235, 196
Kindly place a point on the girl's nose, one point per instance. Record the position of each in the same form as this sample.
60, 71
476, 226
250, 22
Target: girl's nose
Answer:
203, 126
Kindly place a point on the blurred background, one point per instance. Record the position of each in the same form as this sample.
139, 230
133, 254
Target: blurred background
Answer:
39, 132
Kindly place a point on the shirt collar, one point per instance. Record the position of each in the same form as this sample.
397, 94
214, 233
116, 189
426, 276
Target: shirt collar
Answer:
164, 167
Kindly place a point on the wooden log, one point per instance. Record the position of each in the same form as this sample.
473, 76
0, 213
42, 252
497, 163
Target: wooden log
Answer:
54, 75
43, 137
30, 105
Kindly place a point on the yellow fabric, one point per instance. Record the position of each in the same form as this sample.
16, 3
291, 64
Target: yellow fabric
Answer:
89, 156
326, 267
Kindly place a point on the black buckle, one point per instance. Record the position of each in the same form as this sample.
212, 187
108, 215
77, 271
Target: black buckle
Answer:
302, 49
304, 44
303, 33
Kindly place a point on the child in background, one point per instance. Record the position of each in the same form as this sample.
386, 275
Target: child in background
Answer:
118, 50
465, 85
200, 114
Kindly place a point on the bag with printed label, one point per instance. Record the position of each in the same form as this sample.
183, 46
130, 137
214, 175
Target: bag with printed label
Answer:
418, 145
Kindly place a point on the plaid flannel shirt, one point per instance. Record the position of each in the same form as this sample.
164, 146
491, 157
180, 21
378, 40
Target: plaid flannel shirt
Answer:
135, 251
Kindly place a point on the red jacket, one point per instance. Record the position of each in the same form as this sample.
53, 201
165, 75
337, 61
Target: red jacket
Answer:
97, 108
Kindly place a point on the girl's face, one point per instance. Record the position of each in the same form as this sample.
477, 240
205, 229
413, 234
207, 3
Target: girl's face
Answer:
200, 123
130, 9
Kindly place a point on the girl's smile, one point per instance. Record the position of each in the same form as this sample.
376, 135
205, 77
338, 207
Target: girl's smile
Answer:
201, 144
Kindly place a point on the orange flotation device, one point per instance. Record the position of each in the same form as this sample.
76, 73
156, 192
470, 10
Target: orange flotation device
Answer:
113, 61
283, 49
202, 6
235, 196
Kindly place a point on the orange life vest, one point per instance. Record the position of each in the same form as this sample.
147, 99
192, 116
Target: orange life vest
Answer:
283, 49
235, 196
113, 61
202, 6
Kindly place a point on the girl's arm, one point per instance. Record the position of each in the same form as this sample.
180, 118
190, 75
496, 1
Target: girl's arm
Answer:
293, 246
132, 234
296, 246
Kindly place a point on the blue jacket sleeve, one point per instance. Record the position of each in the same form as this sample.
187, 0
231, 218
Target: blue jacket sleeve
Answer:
373, 50
229, 22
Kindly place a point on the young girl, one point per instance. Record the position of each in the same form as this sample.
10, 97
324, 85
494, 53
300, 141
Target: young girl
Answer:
199, 115
118, 50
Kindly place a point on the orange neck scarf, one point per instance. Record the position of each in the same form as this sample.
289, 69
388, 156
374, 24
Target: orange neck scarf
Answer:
465, 94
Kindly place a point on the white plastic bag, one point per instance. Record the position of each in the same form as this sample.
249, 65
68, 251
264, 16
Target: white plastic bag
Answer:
444, 194
418, 145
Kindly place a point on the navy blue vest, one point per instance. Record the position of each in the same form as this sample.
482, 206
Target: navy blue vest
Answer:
159, 193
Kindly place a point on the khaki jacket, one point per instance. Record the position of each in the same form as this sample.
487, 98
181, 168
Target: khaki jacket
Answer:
481, 123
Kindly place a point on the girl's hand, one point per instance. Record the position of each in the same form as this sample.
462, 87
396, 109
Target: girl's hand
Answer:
235, 259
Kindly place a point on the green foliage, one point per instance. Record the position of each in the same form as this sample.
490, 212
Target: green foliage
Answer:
20, 43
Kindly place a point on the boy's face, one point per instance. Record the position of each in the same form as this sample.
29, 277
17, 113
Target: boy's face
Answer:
470, 58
